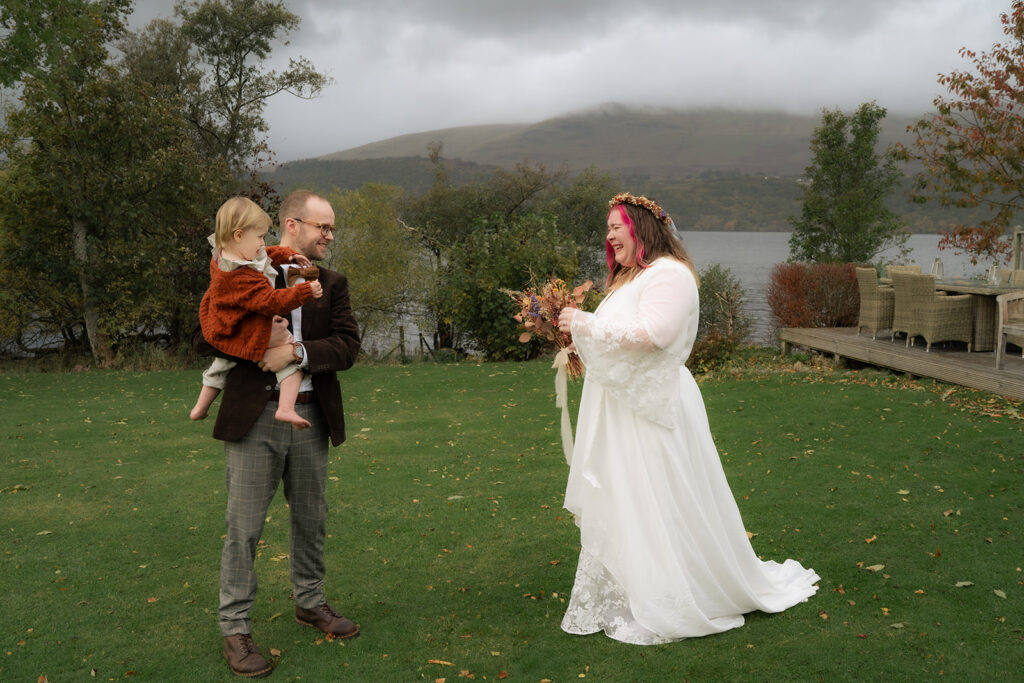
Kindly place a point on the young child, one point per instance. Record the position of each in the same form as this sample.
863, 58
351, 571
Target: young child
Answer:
237, 311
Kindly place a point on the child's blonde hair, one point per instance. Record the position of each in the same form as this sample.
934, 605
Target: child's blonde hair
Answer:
238, 213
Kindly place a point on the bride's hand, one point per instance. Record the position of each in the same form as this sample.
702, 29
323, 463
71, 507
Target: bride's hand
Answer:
565, 318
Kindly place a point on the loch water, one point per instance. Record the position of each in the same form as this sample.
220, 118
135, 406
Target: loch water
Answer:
750, 256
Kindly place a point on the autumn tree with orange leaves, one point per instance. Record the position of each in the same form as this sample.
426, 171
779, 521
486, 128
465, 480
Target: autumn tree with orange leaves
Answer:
972, 149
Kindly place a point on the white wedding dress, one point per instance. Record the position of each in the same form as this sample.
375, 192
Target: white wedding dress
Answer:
664, 552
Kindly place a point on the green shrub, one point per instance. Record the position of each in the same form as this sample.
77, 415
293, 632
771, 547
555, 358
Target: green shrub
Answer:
724, 325
507, 252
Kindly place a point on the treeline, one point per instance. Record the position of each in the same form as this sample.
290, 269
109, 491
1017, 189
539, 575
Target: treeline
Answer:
442, 258
115, 156
711, 200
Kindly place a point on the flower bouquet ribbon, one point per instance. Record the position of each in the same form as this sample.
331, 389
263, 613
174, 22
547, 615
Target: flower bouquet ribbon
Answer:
538, 315
561, 365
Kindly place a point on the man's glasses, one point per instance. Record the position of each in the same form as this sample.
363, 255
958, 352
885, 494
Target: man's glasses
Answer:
326, 228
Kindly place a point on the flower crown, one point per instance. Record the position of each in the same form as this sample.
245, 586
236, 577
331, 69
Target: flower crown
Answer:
643, 203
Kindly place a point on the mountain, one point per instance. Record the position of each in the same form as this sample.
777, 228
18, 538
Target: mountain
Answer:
648, 140
719, 169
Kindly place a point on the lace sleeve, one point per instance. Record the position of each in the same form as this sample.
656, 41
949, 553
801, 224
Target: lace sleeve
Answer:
630, 352
659, 317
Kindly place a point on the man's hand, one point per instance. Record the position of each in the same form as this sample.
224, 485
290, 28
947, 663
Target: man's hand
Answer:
277, 358
300, 260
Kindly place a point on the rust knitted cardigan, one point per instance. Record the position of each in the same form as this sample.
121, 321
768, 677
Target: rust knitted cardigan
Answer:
236, 311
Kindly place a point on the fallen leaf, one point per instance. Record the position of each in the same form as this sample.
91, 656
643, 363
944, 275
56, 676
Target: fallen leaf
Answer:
823, 614
947, 513
275, 652
152, 599
898, 624
44, 533
41, 679
503, 674
903, 492
439, 661
862, 635
1000, 593
963, 584
875, 568
872, 539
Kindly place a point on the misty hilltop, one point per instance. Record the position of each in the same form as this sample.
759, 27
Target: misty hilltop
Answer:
624, 139
725, 169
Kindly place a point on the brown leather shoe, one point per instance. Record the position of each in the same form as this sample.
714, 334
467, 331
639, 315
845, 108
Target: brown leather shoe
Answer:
327, 620
244, 657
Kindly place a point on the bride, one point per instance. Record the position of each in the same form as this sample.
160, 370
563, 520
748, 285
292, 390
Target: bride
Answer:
664, 552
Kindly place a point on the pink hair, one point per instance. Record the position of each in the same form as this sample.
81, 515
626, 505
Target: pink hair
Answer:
609, 253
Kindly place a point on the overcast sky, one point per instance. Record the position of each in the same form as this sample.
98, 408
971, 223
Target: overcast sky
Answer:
407, 66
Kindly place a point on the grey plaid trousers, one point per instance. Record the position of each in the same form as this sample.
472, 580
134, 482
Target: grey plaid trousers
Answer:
273, 452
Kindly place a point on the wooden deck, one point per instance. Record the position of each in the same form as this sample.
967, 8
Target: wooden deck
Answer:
948, 362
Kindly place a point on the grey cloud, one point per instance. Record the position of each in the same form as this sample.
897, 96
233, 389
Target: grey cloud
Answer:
500, 17
404, 66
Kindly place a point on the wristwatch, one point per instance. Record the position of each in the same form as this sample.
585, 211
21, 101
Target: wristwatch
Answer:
299, 353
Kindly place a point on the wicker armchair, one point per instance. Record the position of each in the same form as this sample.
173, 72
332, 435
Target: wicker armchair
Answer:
876, 302
920, 311
902, 321
1011, 323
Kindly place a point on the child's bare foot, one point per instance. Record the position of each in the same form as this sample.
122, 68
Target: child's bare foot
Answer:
291, 417
199, 413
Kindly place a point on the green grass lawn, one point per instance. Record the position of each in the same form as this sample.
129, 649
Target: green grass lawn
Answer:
449, 546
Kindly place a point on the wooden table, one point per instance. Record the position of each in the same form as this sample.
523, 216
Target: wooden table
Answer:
983, 307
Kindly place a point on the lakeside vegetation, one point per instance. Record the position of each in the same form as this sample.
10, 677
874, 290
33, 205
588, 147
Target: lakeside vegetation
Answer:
449, 546
728, 200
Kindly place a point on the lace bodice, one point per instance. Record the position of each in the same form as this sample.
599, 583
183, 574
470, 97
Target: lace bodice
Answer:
639, 336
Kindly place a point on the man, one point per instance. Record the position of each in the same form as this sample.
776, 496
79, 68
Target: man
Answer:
260, 451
